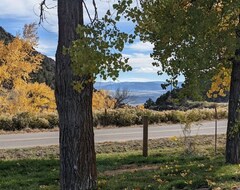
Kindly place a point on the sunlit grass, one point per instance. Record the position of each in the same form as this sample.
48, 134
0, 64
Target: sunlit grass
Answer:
164, 168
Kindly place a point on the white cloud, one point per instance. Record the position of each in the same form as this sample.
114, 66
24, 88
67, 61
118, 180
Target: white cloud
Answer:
136, 79
151, 69
128, 79
29, 10
140, 46
139, 60
26, 11
17, 8
47, 46
142, 63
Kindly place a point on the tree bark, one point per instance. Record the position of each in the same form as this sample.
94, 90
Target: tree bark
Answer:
77, 152
233, 128
232, 143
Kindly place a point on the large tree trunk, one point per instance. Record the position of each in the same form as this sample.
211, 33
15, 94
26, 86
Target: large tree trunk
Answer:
233, 128
77, 153
232, 144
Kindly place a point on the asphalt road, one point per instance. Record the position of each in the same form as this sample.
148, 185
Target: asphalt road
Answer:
113, 134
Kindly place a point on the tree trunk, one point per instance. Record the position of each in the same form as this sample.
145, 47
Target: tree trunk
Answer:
233, 128
77, 152
232, 144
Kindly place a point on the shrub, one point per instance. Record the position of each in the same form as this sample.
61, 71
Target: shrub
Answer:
6, 123
153, 116
125, 119
39, 123
104, 118
21, 120
118, 117
52, 119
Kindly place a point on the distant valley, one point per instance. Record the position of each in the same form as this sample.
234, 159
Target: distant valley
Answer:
139, 91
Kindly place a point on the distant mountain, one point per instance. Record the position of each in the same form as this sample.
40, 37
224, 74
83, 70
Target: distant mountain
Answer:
46, 73
139, 91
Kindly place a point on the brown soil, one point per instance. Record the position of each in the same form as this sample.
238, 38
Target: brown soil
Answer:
130, 168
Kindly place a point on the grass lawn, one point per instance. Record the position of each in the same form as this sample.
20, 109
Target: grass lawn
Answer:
166, 168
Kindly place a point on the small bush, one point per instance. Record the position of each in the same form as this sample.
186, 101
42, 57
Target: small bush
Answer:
27, 120
52, 119
124, 119
104, 118
21, 120
39, 123
6, 123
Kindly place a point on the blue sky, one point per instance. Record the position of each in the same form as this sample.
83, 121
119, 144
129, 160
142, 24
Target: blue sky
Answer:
15, 13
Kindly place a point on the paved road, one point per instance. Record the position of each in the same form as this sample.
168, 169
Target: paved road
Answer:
114, 134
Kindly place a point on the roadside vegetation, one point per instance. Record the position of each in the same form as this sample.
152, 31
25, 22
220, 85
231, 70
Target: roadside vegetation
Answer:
112, 117
121, 166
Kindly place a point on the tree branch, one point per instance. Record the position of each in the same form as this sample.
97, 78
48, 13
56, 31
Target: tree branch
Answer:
92, 20
42, 7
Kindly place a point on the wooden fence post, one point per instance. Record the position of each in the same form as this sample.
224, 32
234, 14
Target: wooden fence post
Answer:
216, 125
105, 117
145, 136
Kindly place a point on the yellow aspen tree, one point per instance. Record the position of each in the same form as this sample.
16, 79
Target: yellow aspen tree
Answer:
102, 100
17, 60
220, 83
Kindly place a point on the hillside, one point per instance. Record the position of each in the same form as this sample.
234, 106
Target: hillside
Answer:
46, 73
132, 86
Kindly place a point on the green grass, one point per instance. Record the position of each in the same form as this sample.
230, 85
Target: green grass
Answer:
29, 174
165, 168
174, 171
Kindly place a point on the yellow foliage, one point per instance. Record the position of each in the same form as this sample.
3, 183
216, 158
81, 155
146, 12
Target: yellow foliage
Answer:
102, 100
141, 107
17, 61
220, 83
38, 97
17, 94
30, 97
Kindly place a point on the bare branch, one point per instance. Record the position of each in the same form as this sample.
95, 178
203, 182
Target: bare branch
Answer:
89, 16
121, 97
92, 20
95, 9
43, 7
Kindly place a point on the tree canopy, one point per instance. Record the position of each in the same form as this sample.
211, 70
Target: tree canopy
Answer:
191, 38
198, 39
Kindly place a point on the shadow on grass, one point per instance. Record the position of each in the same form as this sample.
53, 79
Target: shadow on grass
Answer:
29, 174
